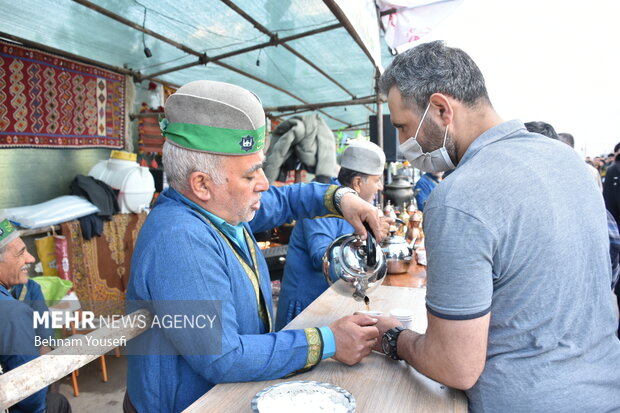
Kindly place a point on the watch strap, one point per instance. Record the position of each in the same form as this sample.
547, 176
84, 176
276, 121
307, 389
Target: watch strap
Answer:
390, 337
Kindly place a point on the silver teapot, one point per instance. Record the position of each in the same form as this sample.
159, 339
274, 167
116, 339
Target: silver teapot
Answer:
354, 267
397, 252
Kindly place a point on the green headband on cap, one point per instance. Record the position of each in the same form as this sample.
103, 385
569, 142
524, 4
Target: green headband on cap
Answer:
212, 139
6, 229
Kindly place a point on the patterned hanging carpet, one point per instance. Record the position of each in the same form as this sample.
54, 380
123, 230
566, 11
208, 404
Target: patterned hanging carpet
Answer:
99, 267
53, 102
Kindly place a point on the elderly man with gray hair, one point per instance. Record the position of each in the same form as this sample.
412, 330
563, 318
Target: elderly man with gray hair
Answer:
197, 244
17, 335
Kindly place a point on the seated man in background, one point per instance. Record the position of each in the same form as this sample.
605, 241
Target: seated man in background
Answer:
197, 245
425, 186
17, 336
361, 169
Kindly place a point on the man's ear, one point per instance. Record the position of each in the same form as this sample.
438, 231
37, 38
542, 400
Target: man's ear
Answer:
356, 183
201, 185
441, 106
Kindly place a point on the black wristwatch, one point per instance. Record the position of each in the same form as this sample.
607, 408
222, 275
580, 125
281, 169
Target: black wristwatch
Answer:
389, 342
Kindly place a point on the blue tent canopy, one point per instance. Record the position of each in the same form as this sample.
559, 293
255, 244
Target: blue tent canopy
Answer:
299, 51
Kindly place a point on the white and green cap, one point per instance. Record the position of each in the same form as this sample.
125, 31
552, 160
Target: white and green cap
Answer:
7, 232
215, 117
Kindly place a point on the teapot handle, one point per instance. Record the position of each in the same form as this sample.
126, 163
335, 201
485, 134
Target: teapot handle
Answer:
371, 246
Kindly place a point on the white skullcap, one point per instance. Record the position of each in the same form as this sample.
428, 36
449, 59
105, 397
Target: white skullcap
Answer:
364, 157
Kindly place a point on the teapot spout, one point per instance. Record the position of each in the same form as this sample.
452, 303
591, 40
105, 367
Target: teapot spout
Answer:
360, 292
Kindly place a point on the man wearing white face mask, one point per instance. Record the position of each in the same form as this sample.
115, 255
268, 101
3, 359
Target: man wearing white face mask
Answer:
517, 317
435, 161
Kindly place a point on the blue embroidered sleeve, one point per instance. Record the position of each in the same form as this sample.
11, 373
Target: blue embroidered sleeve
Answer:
280, 205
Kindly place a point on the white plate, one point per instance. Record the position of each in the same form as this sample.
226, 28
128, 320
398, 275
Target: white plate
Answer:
299, 395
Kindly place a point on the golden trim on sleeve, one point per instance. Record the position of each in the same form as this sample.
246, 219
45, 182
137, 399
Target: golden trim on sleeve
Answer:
329, 200
315, 347
328, 216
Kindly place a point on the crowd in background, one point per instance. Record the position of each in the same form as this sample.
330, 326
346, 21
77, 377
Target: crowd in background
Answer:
611, 193
602, 162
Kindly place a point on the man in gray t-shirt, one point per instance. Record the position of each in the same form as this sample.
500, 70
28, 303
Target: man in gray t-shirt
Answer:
520, 313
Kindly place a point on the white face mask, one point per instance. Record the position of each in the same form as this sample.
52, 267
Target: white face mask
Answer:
435, 161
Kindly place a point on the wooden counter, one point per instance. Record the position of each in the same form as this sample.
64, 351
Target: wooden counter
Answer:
415, 277
377, 383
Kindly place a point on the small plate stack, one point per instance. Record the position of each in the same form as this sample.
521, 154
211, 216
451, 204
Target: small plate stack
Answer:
404, 315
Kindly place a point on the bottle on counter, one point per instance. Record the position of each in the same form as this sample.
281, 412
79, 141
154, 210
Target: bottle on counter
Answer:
417, 219
404, 216
388, 208
393, 227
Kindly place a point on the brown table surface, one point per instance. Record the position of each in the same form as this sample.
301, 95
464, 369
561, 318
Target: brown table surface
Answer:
377, 383
415, 277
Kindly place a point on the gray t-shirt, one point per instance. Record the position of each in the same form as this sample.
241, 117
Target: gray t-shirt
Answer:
519, 229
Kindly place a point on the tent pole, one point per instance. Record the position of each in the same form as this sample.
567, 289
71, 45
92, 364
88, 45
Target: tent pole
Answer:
293, 109
136, 26
336, 11
379, 103
379, 110
274, 38
314, 106
203, 58
234, 69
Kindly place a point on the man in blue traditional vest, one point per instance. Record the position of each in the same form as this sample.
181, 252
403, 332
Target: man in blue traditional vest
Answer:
361, 168
17, 336
197, 244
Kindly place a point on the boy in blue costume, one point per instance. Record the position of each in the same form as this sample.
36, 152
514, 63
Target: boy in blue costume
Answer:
197, 244
362, 166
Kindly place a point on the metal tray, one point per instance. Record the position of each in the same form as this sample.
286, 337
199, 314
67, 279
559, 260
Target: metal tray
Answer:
290, 389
